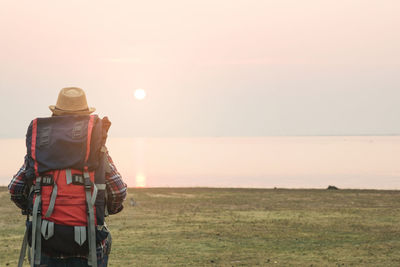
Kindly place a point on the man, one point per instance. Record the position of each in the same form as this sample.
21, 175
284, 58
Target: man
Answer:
72, 101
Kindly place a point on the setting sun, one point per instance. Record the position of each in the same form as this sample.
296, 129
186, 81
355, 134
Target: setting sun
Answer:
140, 94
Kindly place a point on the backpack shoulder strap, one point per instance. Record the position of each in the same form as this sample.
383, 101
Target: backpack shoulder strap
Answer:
92, 258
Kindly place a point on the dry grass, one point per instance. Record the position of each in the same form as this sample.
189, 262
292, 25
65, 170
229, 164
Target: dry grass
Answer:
243, 227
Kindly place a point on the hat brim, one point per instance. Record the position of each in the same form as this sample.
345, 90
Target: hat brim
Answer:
57, 111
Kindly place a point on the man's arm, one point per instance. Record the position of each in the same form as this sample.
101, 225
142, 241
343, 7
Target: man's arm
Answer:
18, 189
116, 188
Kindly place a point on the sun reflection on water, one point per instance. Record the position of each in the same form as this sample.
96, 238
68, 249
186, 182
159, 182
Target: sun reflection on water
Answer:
140, 180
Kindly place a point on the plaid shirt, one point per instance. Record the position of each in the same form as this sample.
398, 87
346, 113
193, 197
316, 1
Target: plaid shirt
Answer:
115, 188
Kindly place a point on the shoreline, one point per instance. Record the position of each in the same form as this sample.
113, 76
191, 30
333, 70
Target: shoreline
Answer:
4, 188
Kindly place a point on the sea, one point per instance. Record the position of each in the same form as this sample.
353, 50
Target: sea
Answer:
359, 162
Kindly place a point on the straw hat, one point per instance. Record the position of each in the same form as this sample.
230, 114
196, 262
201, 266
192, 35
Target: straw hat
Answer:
71, 100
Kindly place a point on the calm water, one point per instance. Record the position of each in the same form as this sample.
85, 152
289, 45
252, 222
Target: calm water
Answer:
292, 162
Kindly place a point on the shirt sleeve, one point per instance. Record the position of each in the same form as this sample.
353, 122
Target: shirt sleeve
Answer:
18, 187
115, 187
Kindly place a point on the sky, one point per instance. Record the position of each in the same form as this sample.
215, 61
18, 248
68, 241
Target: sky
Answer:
209, 68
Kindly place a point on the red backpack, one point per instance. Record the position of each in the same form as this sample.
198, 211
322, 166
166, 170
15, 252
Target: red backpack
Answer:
66, 167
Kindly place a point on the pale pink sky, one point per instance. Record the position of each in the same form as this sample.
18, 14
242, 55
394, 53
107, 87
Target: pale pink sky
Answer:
210, 68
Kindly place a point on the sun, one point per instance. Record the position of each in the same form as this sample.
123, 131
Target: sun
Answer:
140, 94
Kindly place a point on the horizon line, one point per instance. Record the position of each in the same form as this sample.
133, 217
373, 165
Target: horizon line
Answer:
241, 136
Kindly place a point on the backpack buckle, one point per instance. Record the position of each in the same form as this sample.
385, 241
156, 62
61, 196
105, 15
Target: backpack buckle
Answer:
37, 186
47, 180
77, 179
88, 183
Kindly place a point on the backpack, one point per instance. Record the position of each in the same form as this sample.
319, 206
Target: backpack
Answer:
66, 170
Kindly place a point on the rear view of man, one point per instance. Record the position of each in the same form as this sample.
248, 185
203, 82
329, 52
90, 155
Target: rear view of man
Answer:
67, 185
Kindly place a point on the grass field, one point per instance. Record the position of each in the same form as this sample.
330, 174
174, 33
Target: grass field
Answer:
242, 227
